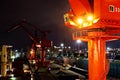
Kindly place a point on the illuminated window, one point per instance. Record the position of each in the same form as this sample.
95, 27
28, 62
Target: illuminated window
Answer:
111, 8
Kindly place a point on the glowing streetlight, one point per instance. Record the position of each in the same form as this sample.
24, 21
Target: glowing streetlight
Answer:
78, 41
62, 45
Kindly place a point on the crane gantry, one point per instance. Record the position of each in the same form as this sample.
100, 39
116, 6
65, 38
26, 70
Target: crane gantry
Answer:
98, 21
42, 44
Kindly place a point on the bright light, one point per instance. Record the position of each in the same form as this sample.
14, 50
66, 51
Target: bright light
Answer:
90, 18
17, 55
32, 51
85, 24
108, 48
78, 41
80, 21
16, 50
95, 21
61, 44
83, 21
69, 47
60, 50
72, 23
38, 45
13, 57
48, 50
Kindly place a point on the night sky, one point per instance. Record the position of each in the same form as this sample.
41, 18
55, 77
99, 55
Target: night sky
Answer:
45, 14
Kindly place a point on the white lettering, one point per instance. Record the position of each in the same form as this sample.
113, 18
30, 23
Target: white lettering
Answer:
118, 9
113, 8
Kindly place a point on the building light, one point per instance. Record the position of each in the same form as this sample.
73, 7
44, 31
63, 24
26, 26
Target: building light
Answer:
61, 44
38, 45
69, 47
55, 46
48, 50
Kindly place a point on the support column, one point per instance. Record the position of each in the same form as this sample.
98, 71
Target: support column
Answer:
96, 57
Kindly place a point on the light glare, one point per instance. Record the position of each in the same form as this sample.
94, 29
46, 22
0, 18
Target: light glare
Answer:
78, 41
72, 23
95, 21
80, 21
90, 18
85, 24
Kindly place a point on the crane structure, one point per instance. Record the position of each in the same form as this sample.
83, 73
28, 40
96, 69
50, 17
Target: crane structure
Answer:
97, 21
42, 44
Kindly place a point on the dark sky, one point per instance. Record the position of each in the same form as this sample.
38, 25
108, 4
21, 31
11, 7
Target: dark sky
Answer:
45, 14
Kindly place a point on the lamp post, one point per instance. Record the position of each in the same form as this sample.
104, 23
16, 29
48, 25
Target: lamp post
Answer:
62, 45
62, 48
78, 42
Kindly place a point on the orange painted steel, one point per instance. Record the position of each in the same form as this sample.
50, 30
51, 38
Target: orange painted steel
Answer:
96, 57
102, 26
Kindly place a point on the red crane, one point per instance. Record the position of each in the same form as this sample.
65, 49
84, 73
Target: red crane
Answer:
42, 44
98, 21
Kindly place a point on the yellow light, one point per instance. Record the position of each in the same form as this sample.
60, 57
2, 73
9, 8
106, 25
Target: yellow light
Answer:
31, 51
90, 18
95, 21
72, 23
90, 23
85, 24
80, 21
38, 45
